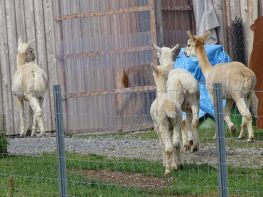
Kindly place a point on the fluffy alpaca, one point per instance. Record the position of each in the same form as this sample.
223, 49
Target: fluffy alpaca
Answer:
190, 103
29, 84
167, 117
238, 83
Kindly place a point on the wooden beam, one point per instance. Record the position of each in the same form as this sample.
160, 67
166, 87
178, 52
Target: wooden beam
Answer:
159, 22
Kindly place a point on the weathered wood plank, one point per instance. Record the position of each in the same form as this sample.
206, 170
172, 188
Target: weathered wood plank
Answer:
60, 63
20, 19
42, 55
12, 47
6, 108
51, 54
30, 23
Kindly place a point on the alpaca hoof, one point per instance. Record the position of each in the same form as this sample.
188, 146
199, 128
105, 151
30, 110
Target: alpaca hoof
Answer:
167, 173
43, 135
187, 147
241, 137
195, 148
22, 135
177, 166
32, 134
233, 130
251, 139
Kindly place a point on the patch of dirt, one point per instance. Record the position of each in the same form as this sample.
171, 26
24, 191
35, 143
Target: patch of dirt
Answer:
124, 179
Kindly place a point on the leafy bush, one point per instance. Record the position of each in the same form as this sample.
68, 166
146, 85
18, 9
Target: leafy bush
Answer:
3, 145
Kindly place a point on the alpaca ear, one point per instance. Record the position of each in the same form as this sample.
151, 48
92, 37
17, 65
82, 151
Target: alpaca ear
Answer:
175, 48
155, 69
205, 36
191, 36
31, 42
19, 41
158, 49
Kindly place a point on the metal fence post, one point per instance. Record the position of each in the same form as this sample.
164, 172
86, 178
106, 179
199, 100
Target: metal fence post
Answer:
60, 141
221, 152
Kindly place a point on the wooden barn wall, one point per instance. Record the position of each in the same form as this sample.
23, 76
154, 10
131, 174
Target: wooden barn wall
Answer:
27, 19
99, 51
174, 18
107, 48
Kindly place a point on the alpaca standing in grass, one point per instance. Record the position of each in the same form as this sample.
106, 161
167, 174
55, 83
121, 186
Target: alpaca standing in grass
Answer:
167, 118
238, 83
191, 100
29, 84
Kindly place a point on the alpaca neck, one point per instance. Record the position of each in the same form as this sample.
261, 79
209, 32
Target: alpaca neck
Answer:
203, 60
20, 59
160, 89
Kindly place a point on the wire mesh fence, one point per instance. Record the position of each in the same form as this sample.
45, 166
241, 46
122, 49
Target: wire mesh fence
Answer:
129, 164
103, 55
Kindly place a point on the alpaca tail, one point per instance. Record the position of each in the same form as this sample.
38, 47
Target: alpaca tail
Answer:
171, 109
249, 78
254, 104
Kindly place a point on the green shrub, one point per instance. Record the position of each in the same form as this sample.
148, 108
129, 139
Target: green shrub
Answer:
3, 145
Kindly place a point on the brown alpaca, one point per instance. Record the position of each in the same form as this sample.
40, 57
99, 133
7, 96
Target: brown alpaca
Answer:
29, 84
256, 65
238, 83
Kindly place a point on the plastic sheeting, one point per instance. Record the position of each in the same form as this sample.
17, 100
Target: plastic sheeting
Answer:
216, 55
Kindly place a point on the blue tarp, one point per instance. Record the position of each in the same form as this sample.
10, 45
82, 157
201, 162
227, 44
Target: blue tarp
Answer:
216, 55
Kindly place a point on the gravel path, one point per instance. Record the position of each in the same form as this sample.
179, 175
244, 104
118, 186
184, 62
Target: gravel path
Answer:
146, 149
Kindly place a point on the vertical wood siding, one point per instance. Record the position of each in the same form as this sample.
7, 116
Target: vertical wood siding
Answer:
27, 19
98, 50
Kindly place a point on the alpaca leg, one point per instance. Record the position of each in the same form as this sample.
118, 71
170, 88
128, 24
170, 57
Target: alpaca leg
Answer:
212, 100
20, 104
31, 113
162, 146
186, 144
189, 142
246, 120
176, 145
41, 122
194, 125
37, 117
227, 110
167, 142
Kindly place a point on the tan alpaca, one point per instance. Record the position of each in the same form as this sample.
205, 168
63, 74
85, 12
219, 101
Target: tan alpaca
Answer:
190, 103
29, 84
238, 83
167, 117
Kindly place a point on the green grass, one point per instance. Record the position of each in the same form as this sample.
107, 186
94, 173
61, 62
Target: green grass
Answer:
37, 176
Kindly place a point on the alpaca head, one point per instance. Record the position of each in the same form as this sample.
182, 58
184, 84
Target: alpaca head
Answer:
26, 50
160, 75
194, 42
166, 54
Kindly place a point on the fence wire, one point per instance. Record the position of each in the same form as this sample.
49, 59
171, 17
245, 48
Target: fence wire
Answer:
111, 147
130, 164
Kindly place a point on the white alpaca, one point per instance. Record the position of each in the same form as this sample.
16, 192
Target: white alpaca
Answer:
29, 84
190, 103
167, 117
238, 83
